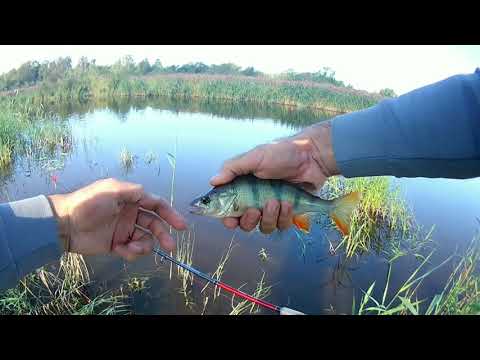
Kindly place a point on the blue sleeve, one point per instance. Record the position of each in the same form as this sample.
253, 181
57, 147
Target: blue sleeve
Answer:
28, 239
433, 131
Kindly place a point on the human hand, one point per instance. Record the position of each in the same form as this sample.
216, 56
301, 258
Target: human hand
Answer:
100, 218
306, 159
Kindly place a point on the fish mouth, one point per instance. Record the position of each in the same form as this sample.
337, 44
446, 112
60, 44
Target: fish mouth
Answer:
195, 209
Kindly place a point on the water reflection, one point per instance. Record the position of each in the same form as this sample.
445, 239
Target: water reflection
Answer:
288, 116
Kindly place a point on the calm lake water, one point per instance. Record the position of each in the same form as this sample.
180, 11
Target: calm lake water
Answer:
204, 135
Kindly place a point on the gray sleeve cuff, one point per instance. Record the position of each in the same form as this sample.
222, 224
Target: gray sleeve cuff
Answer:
28, 238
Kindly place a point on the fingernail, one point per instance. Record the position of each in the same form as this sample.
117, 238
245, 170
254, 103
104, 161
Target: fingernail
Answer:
272, 207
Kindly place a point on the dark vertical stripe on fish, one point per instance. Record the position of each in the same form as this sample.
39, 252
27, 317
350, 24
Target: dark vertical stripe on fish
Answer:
296, 200
277, 189
254, 185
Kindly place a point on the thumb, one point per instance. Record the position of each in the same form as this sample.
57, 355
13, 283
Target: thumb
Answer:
240, 165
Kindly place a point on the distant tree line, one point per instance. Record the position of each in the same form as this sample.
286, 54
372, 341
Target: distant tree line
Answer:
50, 72
324, 75
33, 72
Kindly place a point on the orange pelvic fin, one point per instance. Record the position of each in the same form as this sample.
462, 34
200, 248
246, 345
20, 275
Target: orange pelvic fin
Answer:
302, 222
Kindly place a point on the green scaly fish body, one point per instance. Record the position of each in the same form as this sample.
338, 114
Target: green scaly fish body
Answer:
252, 192
248, 191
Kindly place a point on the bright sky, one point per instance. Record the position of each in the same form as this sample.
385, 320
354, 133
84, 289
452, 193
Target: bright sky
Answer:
402, 68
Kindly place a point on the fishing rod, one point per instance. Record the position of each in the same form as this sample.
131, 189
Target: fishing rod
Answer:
282, 310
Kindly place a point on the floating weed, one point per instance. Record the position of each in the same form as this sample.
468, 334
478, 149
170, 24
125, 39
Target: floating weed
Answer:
172, 159
184, 254
261, 292
263, 255
460, 295
205, 302
150, 157
221, 267
105, 304
402, 302
137, 284
126, 159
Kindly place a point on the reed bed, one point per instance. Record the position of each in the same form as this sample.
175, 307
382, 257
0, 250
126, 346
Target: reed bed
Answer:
382, 218
65, 291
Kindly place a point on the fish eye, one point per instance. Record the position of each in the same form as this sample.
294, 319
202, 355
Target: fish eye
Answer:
205, 200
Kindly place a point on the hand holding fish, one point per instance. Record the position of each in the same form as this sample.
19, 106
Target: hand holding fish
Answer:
100, 218
305, 159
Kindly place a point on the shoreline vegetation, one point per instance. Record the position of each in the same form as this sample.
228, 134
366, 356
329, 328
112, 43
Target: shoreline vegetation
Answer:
59, 81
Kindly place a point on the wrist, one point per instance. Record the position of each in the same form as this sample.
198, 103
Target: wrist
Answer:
319, 137
60, 208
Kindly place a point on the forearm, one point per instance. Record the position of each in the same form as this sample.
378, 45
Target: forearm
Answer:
433, 131
29, 238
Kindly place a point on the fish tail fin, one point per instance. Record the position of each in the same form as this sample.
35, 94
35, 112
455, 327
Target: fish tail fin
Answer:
342, 209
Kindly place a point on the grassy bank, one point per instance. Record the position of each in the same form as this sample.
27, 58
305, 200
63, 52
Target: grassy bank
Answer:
29, 131
60, 291
262, 90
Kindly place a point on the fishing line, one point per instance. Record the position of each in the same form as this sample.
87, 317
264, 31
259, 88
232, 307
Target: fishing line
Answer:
220, 284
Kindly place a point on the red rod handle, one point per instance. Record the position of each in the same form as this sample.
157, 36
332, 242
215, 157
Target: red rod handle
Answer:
248, 297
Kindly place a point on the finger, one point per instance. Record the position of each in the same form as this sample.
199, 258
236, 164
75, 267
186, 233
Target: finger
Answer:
128, 252
164, 210
250, 219
161, 234
129, 192
270, 216
285, 219
144, 221
230, 222
240, 165
142, 246
135, 249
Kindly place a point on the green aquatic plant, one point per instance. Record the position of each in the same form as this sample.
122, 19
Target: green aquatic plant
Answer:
221, 268
6, 153
263, 255
460, 295
262, 291
126, 159
295, 92
30, 133
205, 302
150, 157
60, 292
382, 216
184, 254
137, 284
172, 159
404, 301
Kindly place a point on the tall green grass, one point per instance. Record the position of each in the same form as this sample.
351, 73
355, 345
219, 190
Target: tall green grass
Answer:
264, 90
34, 133
65, 291
382, 219
460, 295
